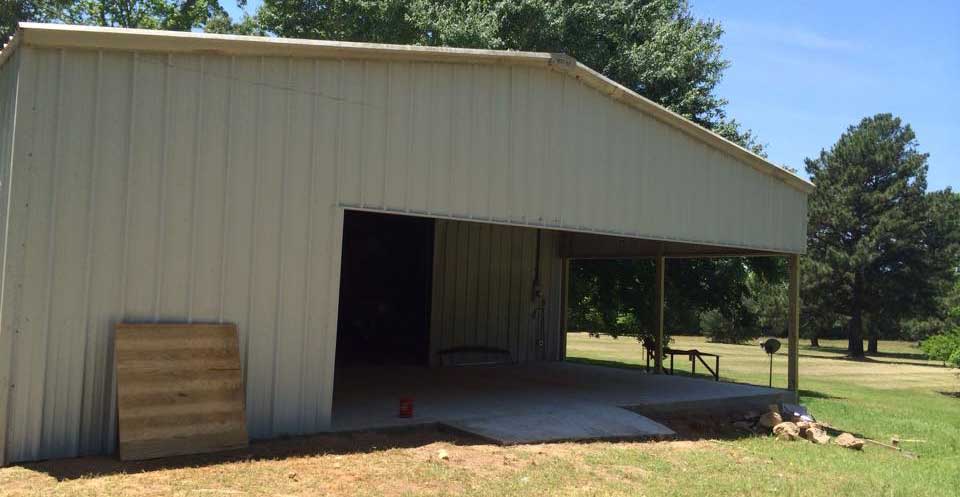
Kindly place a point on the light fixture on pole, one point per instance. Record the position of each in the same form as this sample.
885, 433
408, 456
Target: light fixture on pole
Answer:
771, 346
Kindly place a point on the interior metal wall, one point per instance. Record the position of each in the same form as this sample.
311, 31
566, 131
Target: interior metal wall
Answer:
483, 290
204, 187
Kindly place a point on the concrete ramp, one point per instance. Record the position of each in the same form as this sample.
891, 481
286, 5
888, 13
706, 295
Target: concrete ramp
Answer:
590, 422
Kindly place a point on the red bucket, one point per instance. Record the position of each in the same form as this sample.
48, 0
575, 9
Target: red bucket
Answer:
406, 408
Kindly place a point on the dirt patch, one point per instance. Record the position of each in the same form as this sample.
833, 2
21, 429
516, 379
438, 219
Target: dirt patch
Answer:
318, 445
478, 459
693, 427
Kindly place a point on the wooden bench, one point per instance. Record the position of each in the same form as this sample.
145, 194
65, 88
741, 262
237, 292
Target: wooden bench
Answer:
693, 354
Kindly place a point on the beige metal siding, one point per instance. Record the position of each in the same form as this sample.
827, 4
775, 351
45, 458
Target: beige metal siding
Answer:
9, 75
483, 290
534, 147
159, 188
186, 187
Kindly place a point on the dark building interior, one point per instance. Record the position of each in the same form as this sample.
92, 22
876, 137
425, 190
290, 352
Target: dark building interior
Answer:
385, 284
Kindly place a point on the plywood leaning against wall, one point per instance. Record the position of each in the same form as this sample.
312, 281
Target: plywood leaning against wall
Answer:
179, 389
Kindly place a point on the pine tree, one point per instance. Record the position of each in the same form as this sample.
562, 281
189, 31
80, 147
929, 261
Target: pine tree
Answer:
869, 234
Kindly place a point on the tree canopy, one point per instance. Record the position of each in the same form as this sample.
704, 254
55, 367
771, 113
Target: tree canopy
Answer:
174, 15
882, 250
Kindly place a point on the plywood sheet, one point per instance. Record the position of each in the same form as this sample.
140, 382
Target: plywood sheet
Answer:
179, 389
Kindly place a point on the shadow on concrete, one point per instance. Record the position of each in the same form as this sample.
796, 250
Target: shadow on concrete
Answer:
316, 445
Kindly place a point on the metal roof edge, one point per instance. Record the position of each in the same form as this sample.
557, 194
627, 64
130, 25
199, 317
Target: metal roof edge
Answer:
10, 47
94, 37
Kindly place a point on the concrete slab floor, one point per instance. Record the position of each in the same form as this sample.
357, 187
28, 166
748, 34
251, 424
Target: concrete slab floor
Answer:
533, 402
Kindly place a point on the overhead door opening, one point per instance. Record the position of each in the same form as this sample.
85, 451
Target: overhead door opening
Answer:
385, 282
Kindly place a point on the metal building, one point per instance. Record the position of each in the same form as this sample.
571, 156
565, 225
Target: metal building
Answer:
160, 176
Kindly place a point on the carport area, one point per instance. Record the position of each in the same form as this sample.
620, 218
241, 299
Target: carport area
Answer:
534, 402
465, 320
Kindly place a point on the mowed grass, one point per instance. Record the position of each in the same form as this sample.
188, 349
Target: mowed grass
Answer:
896, 394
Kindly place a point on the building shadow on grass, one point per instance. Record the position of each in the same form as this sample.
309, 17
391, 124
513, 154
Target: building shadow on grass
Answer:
694, 426
676, 372
873, 360
917, 356
813, 394
267, 450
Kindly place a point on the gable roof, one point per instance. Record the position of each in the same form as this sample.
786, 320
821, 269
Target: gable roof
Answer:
88, 37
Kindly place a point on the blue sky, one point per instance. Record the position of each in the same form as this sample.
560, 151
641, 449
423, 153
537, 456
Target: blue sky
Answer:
803, 71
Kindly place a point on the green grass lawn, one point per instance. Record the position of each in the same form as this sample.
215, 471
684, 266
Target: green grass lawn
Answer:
895, 394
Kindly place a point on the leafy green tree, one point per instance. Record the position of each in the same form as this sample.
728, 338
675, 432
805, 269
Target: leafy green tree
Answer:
175, 15
767, 300
14, 11
944, 347
878, 254
617, 296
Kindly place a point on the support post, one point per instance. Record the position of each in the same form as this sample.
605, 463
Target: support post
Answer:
564, 306
658, 323
793, 325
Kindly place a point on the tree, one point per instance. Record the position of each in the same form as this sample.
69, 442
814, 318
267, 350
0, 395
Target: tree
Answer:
878, 255
724, 295
175, 15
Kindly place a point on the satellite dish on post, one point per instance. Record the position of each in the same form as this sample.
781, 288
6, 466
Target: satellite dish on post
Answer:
770, 346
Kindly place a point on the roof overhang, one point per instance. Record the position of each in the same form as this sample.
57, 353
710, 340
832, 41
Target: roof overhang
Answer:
100, 38
594, 246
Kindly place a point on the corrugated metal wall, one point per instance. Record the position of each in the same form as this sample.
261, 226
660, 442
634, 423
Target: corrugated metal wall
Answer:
8, 112
483, 290
535, 147
182, 187
159, 188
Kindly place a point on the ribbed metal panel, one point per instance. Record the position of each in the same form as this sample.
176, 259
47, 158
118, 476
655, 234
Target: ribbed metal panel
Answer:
170, 188
534, 147
185, 187
8, 118
483, 290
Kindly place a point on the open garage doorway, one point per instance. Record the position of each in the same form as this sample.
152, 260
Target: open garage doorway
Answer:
385, 282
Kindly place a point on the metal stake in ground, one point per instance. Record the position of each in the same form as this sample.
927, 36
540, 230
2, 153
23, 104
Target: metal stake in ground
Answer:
771, 346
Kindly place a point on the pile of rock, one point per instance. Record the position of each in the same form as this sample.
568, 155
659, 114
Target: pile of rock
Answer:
794, 423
